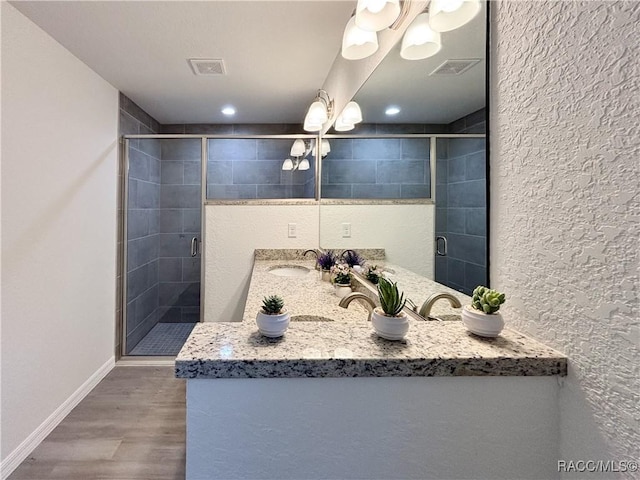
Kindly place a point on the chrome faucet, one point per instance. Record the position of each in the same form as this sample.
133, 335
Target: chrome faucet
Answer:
315, 252
425, 309
369, 304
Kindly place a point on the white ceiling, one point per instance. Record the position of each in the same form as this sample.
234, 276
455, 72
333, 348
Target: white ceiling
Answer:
276, 53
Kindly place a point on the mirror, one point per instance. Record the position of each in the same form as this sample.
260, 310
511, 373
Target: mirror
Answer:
377, 181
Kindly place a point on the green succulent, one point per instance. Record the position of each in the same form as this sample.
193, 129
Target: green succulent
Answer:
487, 300
391, 300
272, 305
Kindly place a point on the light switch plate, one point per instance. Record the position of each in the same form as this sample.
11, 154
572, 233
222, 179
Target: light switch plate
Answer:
346, 230
293, 230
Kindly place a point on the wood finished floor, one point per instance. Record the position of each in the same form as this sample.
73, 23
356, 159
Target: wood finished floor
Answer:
130, 427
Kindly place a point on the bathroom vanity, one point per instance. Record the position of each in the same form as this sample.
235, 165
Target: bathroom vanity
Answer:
332, 400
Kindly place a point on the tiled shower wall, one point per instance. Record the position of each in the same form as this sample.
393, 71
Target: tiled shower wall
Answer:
461, 206
180, 200
252, 168
143, 224
377, 168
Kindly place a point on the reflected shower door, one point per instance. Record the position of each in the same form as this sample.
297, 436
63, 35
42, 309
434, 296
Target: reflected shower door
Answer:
461, 213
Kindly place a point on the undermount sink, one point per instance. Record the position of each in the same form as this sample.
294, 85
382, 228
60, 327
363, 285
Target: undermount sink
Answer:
289, 271
310, 318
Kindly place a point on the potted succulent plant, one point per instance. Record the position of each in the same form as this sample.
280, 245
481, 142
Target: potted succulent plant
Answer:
373, 274
341, 279
273, 318
389, 321
482, 316
326, 260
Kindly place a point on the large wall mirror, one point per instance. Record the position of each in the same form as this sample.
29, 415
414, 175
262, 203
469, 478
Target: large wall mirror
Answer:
401, 180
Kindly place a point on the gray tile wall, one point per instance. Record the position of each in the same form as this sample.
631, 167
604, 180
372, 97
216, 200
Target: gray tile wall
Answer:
143, 225
252, 168
377, 168
179, 222
461, 206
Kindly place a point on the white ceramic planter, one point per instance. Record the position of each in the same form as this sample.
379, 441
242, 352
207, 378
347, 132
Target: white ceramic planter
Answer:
273, 326
389, 328
342, 290
480, 323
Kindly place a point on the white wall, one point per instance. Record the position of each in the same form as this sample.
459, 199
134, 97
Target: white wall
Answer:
233, 232
565, 207
406, 232
481, 428
59, 174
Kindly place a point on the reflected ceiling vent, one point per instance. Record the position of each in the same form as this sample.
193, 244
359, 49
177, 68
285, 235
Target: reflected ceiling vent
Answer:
455, 67
207, 66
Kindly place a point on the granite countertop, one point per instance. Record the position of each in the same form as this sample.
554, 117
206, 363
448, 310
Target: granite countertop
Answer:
348, 346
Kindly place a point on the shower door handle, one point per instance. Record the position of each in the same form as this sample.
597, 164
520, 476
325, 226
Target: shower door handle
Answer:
441, 241
194, 246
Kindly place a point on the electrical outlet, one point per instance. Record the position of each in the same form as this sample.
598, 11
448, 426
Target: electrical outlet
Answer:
346, 230
293, 230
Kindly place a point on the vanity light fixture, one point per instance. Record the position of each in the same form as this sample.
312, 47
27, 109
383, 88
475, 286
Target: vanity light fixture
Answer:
376, 15
319, 112
350, 115
420, 41
358, 43
447, 15
287, 164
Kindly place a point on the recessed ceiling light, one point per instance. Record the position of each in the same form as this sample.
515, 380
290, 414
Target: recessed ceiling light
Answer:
228, 111
392, 111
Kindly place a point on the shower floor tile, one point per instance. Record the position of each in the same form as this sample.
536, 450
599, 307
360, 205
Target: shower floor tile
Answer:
164, 339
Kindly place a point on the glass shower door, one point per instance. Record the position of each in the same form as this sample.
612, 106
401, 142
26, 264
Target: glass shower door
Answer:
163, 234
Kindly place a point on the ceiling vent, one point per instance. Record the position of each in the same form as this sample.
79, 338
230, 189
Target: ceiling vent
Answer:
455, 67
207, 66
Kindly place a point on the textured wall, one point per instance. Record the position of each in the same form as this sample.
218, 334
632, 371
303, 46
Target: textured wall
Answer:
565, 207
481, 428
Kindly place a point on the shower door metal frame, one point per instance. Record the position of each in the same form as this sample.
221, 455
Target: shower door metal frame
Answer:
204, 155
126, 140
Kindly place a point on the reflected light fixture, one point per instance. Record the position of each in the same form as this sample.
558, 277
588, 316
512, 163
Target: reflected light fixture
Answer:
319, 112
376, 15
298, 148
287, 164
358, 43
447, 15
325, 148
350, 115
420, 41
392, 111
304, 164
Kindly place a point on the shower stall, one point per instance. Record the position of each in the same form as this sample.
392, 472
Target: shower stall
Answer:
163, 227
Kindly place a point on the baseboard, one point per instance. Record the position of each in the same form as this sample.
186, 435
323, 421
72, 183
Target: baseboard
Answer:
22, 451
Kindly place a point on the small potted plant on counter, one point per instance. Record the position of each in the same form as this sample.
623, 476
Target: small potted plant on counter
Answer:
326, 260
389, 321
341, 279
273, 318
373, 274
482, 316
